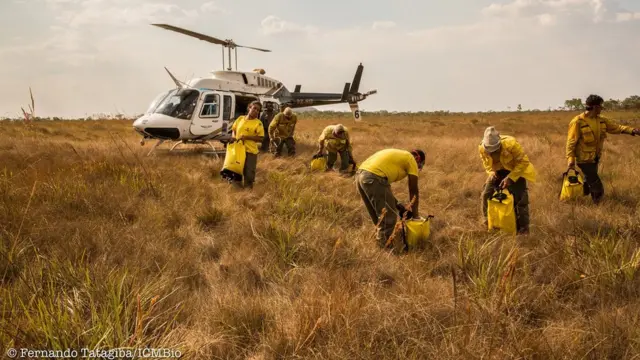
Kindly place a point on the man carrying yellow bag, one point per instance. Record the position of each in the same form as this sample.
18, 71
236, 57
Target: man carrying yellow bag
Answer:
585, 140
508, 168
373, 183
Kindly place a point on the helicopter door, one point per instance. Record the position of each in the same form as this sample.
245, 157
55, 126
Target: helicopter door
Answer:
209, 117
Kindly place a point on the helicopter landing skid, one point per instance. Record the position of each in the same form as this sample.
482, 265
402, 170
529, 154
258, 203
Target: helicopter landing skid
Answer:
154, 146
213, 151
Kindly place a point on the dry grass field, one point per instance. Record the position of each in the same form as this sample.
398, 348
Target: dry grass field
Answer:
101, 246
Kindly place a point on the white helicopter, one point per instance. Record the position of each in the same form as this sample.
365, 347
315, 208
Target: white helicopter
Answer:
203, 109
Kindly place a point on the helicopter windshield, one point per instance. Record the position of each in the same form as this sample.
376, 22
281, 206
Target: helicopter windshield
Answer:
154, 104
179, 103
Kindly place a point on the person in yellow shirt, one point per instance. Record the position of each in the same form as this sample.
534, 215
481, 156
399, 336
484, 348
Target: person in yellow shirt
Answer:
250, 130
585, 140
336, 140
281, 132
373, 182
509, 168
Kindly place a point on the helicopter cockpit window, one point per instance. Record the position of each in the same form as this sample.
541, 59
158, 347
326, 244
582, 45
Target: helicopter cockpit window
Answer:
210, 106
179, 104
158, 99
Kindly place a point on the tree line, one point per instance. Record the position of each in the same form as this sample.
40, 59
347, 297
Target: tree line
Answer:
630, 103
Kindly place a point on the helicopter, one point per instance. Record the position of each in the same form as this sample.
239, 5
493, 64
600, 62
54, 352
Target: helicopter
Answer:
202, 110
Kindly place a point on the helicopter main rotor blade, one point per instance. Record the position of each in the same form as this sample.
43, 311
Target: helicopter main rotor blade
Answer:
207, 38
254, 48
194, 34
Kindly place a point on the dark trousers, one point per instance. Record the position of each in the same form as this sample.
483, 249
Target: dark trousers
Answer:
249, 171
333, 156
376, 194
265, 141
592, 183
291, 146
520, 198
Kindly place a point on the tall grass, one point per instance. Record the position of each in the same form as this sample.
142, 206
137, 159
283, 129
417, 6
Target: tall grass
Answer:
102, 247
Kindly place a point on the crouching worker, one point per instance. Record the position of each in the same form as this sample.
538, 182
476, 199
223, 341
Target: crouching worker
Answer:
508, 168
585, 139
373, 181
335, 139
281, 132
250, 130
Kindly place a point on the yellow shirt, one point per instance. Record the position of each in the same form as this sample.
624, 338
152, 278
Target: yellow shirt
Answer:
394, 164
586, 136
496, 164
333, 143
281, 127
243, 126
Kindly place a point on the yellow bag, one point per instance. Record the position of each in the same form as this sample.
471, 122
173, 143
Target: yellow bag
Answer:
416, 231
318, 163
233, 167
572, 186
501, 212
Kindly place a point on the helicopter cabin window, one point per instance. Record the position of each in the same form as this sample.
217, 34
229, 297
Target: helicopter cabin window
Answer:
210, 106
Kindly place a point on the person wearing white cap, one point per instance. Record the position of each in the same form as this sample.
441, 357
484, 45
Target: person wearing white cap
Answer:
281, 132
509, 168
336, 140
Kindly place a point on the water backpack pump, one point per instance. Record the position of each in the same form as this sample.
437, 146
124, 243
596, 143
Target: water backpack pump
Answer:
318, 162
416, 232
233, 167
501, 212
572, 186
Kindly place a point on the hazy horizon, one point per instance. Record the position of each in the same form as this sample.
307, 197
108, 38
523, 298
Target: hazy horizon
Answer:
83, 57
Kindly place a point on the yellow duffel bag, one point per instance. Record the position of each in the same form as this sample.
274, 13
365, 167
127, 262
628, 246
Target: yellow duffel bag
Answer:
416, 231
235, 156
318, 163
501, 212
572, 186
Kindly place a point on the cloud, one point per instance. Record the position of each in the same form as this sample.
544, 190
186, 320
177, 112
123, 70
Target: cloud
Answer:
381, 25
627, 16
99, 12
596, 10
272, 25
513, 53
210, 7
525, 51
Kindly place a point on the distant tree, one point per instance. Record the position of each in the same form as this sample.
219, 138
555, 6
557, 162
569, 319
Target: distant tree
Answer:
519, 107
612, 104
574, 104
631, 103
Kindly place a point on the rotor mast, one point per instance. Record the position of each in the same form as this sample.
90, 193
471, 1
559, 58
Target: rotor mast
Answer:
228, 43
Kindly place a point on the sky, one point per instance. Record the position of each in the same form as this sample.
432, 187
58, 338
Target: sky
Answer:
83, 57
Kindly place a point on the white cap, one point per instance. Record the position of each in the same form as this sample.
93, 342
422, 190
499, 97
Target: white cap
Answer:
491, 140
